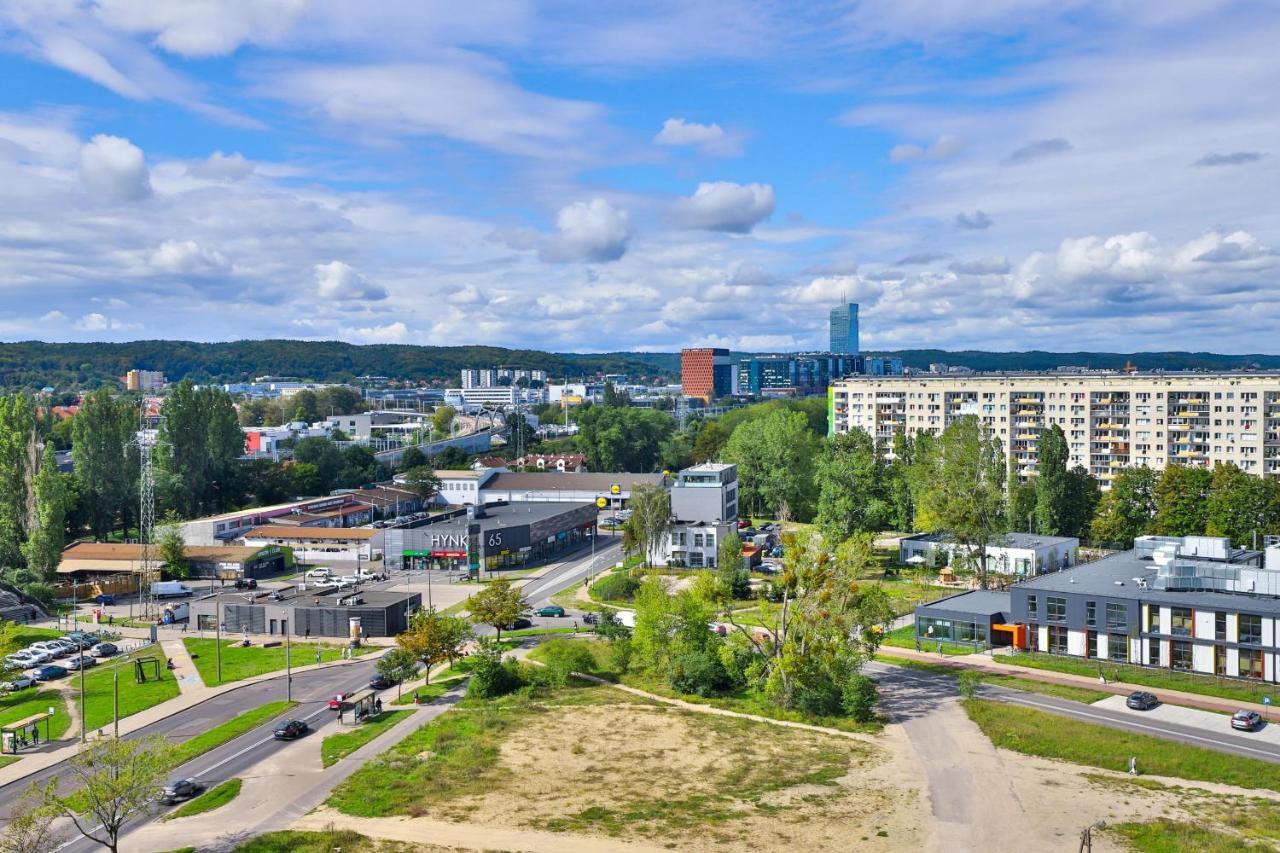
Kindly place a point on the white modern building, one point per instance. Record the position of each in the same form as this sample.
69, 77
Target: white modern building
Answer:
1023, 555
1111, 420
704, 511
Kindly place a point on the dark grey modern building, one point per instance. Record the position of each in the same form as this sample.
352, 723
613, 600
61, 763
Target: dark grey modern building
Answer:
309, 613
976, 617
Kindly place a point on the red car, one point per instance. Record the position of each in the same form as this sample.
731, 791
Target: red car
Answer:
335, 704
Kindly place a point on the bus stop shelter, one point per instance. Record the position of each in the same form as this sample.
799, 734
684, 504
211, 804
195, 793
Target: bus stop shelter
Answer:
23, 733
358, 705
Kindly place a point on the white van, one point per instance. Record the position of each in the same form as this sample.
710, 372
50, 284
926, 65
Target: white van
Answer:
170, 589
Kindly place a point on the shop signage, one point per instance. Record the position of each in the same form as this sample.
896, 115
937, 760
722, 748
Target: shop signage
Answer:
454, 554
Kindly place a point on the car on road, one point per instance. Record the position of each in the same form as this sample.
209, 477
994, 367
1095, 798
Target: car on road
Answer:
104, 599
381, 682
1246, 721
768, 568
335, 702
246, 583
180, 789
19, 683
104, 650
48, 672
290, 729
317, 574
81, 661
1141, 700
550, 610
519, 624
349, 580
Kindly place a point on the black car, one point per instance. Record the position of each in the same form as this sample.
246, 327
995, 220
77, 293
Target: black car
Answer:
590, 619
380, 682
1141, 700
181, 789
518, 625
246, 583
290, 729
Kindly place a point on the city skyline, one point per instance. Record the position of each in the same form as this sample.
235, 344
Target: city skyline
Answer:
1004, 177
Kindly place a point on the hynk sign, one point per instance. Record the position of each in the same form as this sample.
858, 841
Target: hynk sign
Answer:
447, 540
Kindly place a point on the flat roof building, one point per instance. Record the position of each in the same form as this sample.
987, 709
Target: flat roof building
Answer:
84, 560
317, 544
308, 613
517, 487
706, 373
1023, 555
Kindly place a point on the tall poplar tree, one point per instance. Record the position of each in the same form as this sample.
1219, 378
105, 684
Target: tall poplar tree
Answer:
47, 536
17, 466
106, 467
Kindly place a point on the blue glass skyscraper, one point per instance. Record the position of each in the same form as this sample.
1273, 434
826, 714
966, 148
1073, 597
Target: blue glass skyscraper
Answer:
844, 329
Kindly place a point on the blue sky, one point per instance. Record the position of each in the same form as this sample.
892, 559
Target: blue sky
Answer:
1010, 174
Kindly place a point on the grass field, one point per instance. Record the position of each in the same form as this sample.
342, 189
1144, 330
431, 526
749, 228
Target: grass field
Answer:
427, 692
25, 635
905, 638
294, 841
338, 746
1172, 836
1033, 732
1204, 685
134, 697
29, 702
240, 662
231, 729
214, 798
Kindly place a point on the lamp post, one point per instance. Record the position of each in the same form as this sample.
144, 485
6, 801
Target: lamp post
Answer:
288, 662
217, 620
115, 706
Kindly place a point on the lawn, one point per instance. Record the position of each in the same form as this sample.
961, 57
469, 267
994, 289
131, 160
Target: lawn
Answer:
1172, 836
905, 638
1204, 685
1062, 691
427, 692
1034, 732
240, 662
294, 841
230, 730
134, 697
29, 702
338, 746
25, 635
214, 798
905, 595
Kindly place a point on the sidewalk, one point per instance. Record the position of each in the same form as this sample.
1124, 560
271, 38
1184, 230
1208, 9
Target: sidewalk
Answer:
982, 663
34, 763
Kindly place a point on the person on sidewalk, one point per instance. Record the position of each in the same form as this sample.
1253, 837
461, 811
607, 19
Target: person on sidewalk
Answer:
1133, 765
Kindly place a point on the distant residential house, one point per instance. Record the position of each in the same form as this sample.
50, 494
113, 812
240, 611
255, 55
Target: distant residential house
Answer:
574, 463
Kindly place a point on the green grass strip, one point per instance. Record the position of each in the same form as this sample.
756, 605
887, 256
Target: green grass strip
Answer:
1171, 836
338, 746
1034, 732
214, 798
230, 730
241, 662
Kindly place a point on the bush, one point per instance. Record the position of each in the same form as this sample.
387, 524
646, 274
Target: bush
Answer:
620, 653
491, 676
968, 683
859, 698
619, 586
565, 657
700, 672
611, 628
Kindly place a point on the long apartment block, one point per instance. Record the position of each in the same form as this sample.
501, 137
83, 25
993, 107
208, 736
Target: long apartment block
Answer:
1110, 420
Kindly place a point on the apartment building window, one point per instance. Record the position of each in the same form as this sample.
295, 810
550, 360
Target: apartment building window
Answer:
1055, 607
1117, 647
1180, 655
1153, 619
1181, 621
1153, 652
1117, 618
1091, 613
1250, 663
1033, 607
697, 540
1250, 629
1219, 660
1057, 640
1219, 626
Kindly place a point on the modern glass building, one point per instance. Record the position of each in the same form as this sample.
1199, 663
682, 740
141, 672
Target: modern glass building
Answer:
844, 329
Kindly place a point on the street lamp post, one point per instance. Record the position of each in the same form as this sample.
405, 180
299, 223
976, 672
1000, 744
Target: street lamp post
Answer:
217, 620
288, 662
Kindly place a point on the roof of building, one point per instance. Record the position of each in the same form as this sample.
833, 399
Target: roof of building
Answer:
126, 557
284, 531
506, 515
459, 474
1117, 576
709, 467
1007, 540
984, 601
331, 597
273, 508
569, 481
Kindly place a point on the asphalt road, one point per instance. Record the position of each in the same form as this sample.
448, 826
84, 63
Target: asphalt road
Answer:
929, 687
572, 572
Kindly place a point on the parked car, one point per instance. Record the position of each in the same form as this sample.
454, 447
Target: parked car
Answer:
317, 574
180, 789
380, 682
335, 703
518, 624
39, 655
21, 682
550, 610
71, 646
22, 660
769, 568
81, 661
51, 648
80, 641
1246, 721
104, 650
290, 729
590, 619
1141, 700
49, 671
348, 580
104, 599
246, 583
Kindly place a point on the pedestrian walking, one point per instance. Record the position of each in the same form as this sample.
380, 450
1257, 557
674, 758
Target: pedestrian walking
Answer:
1133, 765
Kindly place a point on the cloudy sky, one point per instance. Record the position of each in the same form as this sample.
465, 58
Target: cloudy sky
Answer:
993, 174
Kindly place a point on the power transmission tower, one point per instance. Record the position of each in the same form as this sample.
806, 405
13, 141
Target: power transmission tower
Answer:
146, 504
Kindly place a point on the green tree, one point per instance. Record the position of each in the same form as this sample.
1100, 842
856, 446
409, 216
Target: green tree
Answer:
442, 419
338, 400
105, 464
962, 489
398, 665
412, 458
1080, 502
850, 479
423, 482
200, 444
1020, 500
774, 455
30, 828
1182, 495
614, 398
1241, 505
731, 569
433, 638
47, 537
498, 605
171, 548
17, 466
650, 518
898, 484
1127, 510
359, 466
622, 439
1051, 482
324, 455
114, 781
306, 406
709, 442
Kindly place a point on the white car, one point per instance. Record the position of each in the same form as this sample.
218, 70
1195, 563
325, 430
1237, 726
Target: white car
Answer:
22, 660
365, 574
348, 580
318, 574
38, 653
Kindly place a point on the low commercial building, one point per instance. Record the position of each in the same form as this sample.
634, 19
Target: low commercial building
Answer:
308, 613
976, 618
84, 561
515, 487
318, 544
1023, 555
229, 526
493, 537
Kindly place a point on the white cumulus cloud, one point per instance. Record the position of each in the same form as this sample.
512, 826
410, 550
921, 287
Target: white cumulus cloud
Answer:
114, 169
391, 333
338, 280
725, 206
707, 138
589, 230
186, 257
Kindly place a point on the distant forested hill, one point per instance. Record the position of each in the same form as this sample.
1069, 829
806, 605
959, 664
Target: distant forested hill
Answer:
33, 364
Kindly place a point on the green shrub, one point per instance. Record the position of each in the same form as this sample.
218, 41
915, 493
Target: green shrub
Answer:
859, 698
699, 671
565, 657
491, 676
968, 683
619, 586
